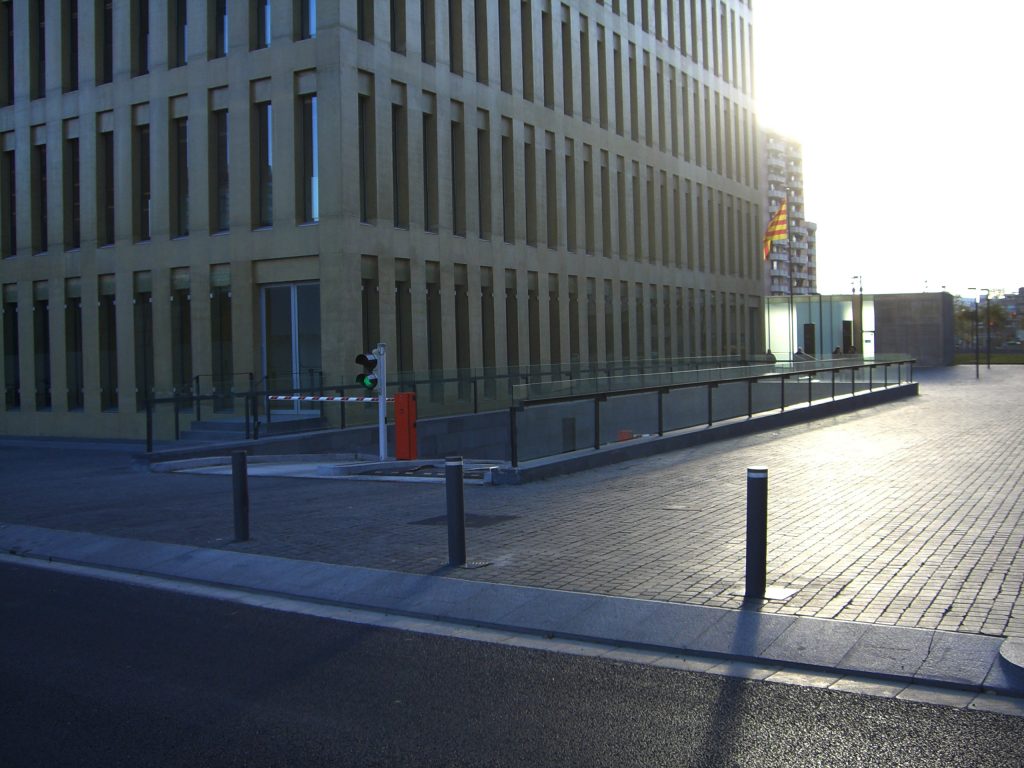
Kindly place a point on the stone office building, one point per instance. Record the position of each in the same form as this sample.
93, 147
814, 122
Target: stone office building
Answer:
196, 191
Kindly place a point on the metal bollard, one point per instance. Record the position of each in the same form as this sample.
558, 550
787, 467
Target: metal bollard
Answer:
240, 483
456, 511
757, 532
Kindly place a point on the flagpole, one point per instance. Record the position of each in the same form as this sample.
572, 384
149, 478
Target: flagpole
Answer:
789, 248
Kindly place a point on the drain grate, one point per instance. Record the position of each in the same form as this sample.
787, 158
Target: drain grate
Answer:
472, 521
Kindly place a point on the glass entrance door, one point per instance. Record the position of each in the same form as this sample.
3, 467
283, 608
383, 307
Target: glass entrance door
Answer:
291, 341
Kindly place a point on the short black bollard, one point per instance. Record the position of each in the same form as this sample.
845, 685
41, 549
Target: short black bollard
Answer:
456, 511
240, 482
757, 532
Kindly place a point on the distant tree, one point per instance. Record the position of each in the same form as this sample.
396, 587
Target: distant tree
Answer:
997, 317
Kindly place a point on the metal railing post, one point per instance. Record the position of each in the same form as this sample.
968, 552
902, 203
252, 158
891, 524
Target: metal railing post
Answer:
149, 425
597, 422
248, 433
871, 383
476, 402
711, 418
661, 412
750, 398
195, 399
177, 421
833, 384
513, 436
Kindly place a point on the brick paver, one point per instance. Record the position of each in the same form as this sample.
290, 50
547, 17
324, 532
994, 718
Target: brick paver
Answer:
910, 513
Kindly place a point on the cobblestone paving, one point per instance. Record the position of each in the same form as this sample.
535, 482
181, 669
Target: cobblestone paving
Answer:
911, 513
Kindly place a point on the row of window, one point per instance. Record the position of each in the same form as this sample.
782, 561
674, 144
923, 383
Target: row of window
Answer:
560, 178
139, 14
707, 31
218, 157
619, 318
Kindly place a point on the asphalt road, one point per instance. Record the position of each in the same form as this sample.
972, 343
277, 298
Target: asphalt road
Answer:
94, 673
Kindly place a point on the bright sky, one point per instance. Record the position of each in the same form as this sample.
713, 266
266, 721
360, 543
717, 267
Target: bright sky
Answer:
910, 116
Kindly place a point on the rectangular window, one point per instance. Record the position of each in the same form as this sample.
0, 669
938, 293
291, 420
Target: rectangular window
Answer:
107, 319
364, 20
567, 81
7, 57
104, 41
263, 164
458, 179
179, 176
140, 37
39, 203
69, 46
41, 353
398, 26
508, 189
530, 174
602, 79
634, 96
74, 358
620, 120
181, 335
217, 26
526, 24
221, 341
547, 56
588, 201
505, 45
367, 160
621, 221
570, 197
219, 199
606, 206
455, 36
483, 189
399, 166
105, 188
480, 21
551, 191
12, 359
177, 33
141, 179
428, 32
429, 172
72, 195
259, 24
585, 67
309, 159
305, 19
37, 50
143, 327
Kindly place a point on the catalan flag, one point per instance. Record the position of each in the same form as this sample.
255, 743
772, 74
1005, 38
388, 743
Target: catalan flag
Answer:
778, 229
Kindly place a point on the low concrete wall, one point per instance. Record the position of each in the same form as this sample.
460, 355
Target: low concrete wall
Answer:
559, 439
540, 469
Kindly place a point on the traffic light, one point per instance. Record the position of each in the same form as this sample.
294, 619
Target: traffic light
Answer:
368, 379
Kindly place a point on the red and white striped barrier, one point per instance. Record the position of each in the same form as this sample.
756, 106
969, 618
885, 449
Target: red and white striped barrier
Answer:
326, 399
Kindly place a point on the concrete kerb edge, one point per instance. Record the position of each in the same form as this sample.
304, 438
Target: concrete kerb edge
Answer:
551, 631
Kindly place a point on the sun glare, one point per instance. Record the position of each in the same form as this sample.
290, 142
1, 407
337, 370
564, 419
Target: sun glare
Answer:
908, 113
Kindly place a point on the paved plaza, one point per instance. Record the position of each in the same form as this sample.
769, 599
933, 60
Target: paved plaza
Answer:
909, 514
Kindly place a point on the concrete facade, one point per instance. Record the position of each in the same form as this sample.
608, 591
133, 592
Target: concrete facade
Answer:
920, 324
198, 193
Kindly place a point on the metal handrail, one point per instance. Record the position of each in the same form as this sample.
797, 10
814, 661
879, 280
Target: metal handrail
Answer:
663, 389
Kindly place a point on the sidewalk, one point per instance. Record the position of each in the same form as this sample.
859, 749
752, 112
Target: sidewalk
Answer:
908, 515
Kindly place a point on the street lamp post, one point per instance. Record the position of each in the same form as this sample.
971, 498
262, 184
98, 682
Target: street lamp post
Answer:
988, 329
977, 336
